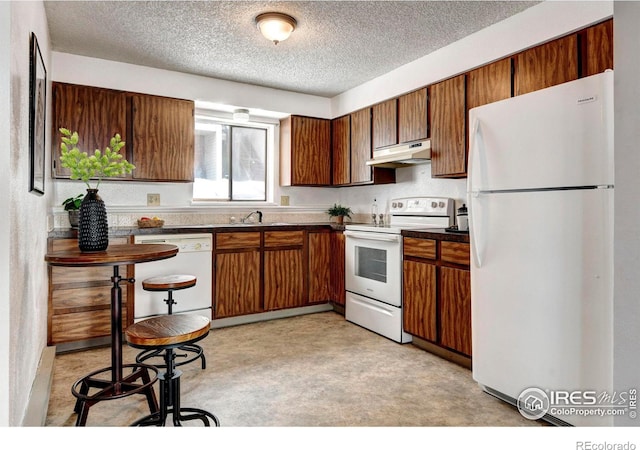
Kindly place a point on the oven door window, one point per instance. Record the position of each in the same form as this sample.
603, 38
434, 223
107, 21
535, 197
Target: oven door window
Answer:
371, 263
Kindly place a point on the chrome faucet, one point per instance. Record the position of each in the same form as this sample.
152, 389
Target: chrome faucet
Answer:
259, 213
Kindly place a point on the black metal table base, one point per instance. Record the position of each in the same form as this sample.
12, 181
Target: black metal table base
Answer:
139, 381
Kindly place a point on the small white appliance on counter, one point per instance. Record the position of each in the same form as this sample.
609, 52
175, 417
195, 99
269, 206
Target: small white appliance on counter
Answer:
194, 258
540, 198
373, 263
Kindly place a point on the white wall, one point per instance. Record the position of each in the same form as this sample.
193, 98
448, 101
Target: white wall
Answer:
5, 183
627, 212
26, 229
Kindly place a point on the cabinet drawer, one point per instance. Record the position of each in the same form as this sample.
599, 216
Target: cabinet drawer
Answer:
455, 252
74, 300
419, 248
250, 239
82, 325
283, 238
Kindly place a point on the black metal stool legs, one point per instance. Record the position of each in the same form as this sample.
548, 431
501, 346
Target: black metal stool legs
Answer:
170, 400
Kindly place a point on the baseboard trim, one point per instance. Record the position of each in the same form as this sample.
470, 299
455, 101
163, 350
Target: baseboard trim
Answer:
452, 356
260, 317
36, 412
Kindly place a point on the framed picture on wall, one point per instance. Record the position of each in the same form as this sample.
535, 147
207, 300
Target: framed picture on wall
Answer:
37, 115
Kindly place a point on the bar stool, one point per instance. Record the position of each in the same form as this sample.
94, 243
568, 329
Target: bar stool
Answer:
171, 283
166, 333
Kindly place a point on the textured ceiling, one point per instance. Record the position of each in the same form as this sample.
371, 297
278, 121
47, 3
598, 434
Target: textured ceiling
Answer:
336, 46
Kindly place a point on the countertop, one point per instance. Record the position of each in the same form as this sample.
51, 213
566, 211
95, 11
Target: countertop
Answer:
207, 228
437, 233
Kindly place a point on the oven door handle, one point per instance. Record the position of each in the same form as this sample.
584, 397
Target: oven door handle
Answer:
373, 236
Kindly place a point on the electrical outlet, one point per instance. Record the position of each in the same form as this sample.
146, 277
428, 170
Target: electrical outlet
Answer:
284, 200
153, 199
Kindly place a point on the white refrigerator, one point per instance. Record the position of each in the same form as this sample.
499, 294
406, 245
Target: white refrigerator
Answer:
540, 196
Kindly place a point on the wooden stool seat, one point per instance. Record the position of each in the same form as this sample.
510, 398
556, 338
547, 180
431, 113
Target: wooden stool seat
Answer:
163, 331
169, 283
164, 334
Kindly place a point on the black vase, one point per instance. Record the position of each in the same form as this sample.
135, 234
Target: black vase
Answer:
93, 227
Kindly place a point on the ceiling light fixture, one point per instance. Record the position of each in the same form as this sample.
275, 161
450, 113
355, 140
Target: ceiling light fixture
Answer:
276, 26
241, 115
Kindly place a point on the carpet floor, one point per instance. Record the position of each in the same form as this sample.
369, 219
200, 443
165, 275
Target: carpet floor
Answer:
316, 370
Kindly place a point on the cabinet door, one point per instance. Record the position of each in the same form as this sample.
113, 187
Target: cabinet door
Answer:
283, 279
237, 284
599, 48
305, 158
319, 267
163, 138
96, 114
341, 150
455, 309
385, 123
419, 299
360, 146
337, 267
488, 84
412, 116
448, 128
546, 65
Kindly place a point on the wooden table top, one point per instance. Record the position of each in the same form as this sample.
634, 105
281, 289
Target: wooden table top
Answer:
113, 255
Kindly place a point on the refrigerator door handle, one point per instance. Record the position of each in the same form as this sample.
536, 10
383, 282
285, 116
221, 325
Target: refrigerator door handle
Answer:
475, 150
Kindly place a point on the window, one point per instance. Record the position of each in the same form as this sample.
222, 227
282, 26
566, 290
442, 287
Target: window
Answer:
231, 160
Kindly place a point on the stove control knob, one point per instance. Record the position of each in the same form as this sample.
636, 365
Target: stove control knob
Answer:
441, 205
434, 204
400, 205
394, 205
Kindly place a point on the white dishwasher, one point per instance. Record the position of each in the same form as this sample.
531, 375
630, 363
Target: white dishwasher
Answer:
194, 258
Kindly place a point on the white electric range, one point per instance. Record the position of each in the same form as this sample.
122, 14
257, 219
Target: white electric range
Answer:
373, 263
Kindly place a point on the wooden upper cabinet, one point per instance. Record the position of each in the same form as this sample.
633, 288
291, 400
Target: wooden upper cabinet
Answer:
360, 146
385, 123
412, 116
341, 150
163, 138
448, 128
97, 114
546, 65
488, 84
305, 151
599, 48
158, 131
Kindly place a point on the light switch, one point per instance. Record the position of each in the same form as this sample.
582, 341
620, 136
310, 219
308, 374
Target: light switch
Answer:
153, 199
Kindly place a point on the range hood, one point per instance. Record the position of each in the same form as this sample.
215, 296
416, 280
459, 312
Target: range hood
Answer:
418, 152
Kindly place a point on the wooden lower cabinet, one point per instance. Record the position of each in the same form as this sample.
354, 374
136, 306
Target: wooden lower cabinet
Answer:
80, 298
319, 267
455, 309
437, 293
337, 268
261, 271
237, 284
419, 284
283, 279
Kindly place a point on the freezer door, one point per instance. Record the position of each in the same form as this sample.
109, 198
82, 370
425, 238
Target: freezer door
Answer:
542, 292
556, 137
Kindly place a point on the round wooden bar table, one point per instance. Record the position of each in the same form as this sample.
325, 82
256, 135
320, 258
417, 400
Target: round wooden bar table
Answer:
117, 385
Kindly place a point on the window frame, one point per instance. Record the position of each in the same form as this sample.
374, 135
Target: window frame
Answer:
271, 126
